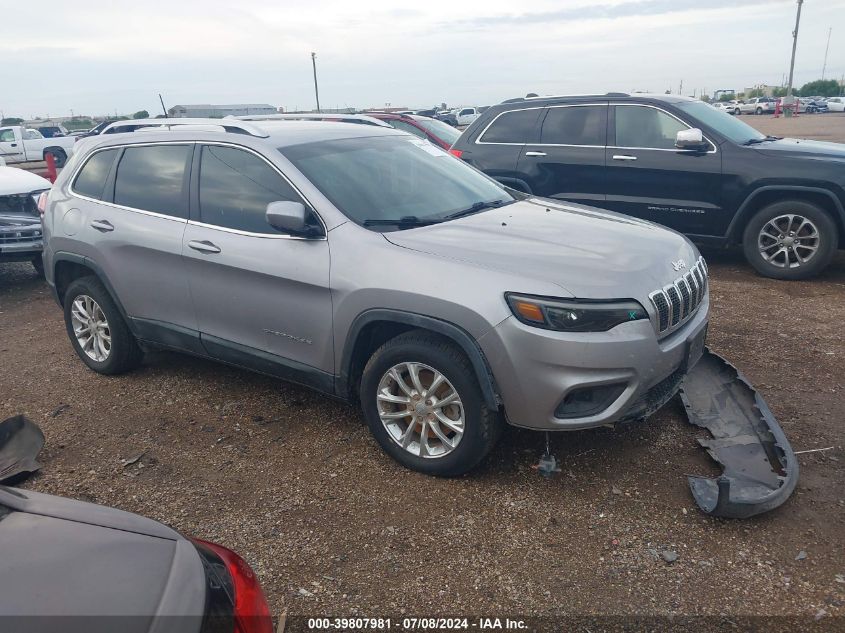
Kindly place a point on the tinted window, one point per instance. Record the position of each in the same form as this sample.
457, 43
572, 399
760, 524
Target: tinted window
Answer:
512, 127
575, 125
236, 187
92, 178
406, 127
151, 179
639, 126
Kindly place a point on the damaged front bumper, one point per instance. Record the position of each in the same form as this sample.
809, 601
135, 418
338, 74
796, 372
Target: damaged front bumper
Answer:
760, 468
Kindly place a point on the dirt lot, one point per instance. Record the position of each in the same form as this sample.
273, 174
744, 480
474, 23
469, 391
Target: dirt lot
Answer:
294, 482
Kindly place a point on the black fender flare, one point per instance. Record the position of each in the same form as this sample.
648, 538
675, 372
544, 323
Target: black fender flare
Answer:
743, 214
87, 262
456, 334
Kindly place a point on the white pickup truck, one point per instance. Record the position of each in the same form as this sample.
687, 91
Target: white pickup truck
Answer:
19, 145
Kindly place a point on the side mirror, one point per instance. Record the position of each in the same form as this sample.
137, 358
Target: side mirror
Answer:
287, 216
690, 139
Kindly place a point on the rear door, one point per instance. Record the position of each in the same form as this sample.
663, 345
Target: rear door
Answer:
131, 211
260, 295
648, 177
567, 161
497, 149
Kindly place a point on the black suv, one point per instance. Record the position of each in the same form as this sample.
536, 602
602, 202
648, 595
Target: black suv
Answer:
676, 161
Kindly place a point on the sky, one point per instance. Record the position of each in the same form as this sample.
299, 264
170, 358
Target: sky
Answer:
100, 57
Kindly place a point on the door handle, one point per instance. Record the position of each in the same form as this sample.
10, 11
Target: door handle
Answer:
204, 247
624, 157
102, 225
535, 153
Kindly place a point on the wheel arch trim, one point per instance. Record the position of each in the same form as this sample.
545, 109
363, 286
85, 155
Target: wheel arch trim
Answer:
449, 330
743, 214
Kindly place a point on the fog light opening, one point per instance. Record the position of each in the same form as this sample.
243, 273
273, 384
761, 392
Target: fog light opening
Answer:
588, 401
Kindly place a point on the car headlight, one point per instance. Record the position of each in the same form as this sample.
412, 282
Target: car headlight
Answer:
574, 315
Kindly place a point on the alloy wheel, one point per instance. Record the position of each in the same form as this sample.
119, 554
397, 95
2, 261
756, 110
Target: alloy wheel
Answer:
788, 241
91, 328
421, 410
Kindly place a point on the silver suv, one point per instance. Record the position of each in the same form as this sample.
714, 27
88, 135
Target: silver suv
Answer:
368, 264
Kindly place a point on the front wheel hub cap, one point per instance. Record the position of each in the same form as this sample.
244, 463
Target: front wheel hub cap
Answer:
421, 410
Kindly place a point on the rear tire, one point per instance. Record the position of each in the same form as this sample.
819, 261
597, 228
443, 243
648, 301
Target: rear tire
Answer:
97, 330
792, 239
58, 155
381, 396
759, 111
38, 264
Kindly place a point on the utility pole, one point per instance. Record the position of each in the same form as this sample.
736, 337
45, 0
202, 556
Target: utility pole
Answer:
826, 48
316, 91
794, 45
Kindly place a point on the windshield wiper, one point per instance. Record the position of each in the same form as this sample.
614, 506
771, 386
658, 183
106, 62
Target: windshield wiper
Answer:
407, 221
478, 206
754, 141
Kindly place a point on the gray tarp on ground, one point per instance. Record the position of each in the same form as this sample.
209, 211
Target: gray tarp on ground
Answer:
20, 443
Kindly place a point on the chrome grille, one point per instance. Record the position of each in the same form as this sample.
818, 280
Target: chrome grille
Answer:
679, 300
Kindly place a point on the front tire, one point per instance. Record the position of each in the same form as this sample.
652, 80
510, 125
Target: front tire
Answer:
792, 239
58, 155
423, 404
97, 330
759, 111
38, 265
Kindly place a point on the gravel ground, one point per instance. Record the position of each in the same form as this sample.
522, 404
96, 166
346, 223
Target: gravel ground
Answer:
294, 482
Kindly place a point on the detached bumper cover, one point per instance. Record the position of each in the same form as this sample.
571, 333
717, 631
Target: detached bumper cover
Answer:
760, 468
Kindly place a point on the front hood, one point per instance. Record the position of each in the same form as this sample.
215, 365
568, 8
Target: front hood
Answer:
14, 180
802, 148
589, 253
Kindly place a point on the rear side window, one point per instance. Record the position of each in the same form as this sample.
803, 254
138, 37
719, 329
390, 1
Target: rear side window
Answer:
91, 180
406, 127
575, 125
235, 187
512, 127
152, 178
650, 128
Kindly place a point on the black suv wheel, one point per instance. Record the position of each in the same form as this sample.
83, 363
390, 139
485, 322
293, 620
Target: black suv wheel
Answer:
791, 239
423, 405
97, 330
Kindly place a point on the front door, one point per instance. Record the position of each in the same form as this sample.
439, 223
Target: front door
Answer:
261, 297
567, 161
648, 177
11, 148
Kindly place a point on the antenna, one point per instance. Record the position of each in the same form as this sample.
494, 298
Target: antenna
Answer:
163, 109
826, 48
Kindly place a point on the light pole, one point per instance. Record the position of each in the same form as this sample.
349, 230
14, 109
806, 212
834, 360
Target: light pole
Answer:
316, 90
794, 45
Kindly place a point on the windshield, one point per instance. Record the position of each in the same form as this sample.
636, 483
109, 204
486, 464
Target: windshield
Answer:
391, 178
725, 124
441, 130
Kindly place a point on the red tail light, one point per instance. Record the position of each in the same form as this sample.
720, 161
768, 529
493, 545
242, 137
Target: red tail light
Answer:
252, 615
42, 203
456, 152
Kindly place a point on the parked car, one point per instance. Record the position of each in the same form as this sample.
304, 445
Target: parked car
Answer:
816, 106
98, 129
438, 132
725, 106
447, 116
73, 566
675, 161
372, 266
20, 222
465, 116
52, 131
757, 105
836, 104
19, 144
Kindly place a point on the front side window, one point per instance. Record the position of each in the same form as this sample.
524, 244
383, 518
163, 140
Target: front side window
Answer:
649, 128
575, 125
382, 179
91, 180
152, 178
235, 187
512, 127
7, 136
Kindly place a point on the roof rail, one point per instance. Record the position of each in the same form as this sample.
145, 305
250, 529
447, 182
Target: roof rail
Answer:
314, 116
233, 126
542, 97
